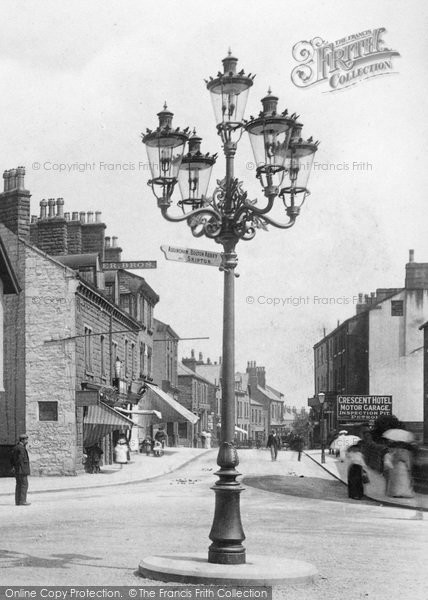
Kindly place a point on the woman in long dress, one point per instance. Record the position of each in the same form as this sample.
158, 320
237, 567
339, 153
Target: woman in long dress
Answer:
356, 470
399, 481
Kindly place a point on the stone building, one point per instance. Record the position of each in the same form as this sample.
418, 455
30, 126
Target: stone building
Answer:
197, 395
67, 331
268, 397
378, 351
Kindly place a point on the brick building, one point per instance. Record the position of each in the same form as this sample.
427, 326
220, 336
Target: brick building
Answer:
68, 331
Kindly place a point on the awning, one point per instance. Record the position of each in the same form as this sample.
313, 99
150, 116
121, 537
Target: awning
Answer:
171, 410
99, 421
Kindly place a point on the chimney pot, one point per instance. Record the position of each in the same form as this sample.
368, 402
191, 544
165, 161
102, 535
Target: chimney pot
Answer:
75, 216
82, 217
20, 172
114, 242
60, 208
34, 218
107, 242
90, 217
13, 179
200, 357
51, 208
67, 216
98, 216
411, 256
192, 353
43, 205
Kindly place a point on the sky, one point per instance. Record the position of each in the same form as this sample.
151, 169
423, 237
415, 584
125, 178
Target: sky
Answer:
81, 81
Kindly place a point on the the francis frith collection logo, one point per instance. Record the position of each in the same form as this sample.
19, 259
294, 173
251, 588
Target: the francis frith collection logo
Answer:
343, 63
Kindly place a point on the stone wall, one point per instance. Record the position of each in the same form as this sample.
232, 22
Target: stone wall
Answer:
50, 363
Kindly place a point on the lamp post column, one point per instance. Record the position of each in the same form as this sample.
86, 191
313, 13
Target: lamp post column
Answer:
227, 533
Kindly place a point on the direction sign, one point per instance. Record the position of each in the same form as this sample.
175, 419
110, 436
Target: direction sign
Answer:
130, 264
192, 256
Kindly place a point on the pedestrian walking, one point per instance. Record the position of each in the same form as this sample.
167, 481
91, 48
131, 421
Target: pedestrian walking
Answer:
299, 447
273, 444
398, 465
357, 473
21, 465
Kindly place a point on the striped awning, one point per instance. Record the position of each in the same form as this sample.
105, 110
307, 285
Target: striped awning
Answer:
171, 410
100, 420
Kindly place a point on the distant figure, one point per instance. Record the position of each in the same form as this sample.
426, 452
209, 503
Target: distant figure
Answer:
299, 446
21, 465
273, 444
357, 473
398, 479
160, 436
94, 459
147, 445
121, 452
157, 448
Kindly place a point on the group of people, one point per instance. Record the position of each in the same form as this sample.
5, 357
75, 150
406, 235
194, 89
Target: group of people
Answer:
156, 445
397, 468
295, 442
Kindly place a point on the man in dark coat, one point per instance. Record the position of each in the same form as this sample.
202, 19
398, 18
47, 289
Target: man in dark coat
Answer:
21, 465
273, 444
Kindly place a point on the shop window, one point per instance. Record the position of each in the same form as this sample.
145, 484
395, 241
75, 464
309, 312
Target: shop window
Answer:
48, 411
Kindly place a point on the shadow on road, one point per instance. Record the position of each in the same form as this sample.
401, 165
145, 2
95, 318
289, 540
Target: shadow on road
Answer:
314, 488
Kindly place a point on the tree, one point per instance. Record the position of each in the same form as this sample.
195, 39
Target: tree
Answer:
301, 424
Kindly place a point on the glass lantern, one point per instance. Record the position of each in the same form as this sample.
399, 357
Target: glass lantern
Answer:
270, 136
298, 164
229, 93
195, 174
165, 147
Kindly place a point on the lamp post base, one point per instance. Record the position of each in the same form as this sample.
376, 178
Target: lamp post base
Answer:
258, 570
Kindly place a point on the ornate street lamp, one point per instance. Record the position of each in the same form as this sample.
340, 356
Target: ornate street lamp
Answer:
194, 174
321, 399
227, 217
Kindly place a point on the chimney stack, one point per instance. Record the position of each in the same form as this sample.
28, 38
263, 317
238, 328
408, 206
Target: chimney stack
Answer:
93, 233
15, 203
112, 252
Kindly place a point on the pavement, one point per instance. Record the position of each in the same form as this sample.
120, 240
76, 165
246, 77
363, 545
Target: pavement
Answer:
375, 490
140, 468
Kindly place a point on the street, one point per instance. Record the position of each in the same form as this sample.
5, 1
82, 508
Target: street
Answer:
99, 536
